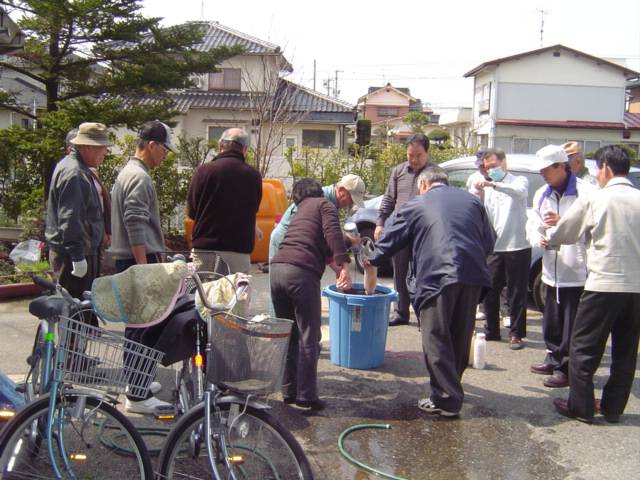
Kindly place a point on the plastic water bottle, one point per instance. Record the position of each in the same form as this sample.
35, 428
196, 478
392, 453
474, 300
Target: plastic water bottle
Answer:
480, 351
351, 229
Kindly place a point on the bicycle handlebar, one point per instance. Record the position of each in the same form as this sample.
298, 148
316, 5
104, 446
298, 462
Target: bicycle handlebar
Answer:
219, 307
59, 291
44, 283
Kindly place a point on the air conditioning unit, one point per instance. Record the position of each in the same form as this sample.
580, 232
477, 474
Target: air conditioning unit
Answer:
197, 81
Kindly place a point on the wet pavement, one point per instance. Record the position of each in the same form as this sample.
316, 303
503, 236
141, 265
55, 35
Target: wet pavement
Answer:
508, 428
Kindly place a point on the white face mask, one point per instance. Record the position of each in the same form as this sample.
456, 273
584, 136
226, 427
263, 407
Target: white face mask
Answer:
496, 174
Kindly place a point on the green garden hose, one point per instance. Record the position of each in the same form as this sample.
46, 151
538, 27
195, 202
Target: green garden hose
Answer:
356, 462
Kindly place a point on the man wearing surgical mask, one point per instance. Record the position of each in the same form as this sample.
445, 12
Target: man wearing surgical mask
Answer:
505, 198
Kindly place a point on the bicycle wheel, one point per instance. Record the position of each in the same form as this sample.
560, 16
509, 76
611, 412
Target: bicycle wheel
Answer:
267, 448
100, 443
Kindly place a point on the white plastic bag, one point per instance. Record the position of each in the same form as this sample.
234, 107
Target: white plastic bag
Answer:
26, 253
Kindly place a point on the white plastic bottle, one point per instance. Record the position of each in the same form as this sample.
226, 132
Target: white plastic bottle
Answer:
480, 351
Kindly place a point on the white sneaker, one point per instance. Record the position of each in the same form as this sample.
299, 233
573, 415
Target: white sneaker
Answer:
154, 387
145, 406
428, 406
480, 316
506, 321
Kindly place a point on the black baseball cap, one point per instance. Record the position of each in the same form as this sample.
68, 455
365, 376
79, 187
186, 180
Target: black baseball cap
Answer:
156, 131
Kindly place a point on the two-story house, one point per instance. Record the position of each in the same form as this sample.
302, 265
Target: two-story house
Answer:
550, 96
386, 107
250, 91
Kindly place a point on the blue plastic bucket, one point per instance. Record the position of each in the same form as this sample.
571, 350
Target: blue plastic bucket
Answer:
358, 326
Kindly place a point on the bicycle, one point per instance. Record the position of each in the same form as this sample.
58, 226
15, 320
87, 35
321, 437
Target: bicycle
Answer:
35, 381
68, 432
231, 434
190, 383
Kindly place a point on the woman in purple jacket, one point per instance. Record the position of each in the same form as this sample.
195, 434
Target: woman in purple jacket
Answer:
313, 238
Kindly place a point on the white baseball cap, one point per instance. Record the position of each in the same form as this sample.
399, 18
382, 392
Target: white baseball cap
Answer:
550, 155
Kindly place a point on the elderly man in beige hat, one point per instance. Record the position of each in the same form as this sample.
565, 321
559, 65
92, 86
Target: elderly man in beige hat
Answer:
75, 223
576, 162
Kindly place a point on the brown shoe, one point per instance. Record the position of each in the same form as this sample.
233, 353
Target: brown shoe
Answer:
542, 369
557, 380
609, 417
562, 406
515, 343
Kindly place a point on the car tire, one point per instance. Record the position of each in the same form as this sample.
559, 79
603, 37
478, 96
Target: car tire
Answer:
366, 238
539, 292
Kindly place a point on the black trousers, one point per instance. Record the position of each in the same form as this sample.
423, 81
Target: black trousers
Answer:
295, 293
446, 324
561, 305
599, 315
510, 269
135, 334
400, 263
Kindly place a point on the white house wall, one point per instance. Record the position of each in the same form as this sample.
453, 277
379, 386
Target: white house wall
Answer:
391, 98
505, 136
531, 101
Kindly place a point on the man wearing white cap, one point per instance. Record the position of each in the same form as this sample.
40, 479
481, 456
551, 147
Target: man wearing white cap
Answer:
347, 192
75, 226
564, 270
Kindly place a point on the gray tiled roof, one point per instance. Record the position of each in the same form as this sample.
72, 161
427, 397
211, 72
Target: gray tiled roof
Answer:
304, 100
217, 35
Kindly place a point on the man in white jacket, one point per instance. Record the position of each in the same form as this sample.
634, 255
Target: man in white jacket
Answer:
564, 271
610, 303
505, 199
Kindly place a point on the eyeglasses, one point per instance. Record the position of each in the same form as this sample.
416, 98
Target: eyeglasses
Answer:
162, 145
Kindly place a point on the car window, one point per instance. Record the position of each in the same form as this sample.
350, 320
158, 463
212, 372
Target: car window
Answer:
635, 178
458, 178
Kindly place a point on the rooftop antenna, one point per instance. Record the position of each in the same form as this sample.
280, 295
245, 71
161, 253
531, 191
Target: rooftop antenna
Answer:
542, 14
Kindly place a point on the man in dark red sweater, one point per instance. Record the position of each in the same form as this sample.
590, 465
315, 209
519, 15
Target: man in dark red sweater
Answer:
223, 201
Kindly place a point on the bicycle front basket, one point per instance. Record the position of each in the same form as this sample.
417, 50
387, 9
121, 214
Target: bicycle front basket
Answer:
102, 360
247, 356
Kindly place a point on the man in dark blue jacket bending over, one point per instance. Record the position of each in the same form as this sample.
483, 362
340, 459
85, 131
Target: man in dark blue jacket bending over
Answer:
450, 236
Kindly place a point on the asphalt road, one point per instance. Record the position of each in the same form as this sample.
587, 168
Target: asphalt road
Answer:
508, 428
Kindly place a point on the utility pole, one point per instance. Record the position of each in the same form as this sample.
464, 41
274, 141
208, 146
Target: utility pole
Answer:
327, 84
336, 91
542, 14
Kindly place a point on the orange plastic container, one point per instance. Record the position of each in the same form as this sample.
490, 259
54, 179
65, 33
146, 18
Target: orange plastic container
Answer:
274, 203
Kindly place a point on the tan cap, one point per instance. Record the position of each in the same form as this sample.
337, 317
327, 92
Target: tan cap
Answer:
92, 134
571, 148
355, 186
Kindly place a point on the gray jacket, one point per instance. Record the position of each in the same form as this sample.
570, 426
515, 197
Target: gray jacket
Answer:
74, 213
135, 216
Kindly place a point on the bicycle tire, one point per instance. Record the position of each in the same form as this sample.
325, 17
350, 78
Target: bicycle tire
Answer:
113, 446
268, 449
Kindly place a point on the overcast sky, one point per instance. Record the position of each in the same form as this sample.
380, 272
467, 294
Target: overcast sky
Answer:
424, 45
